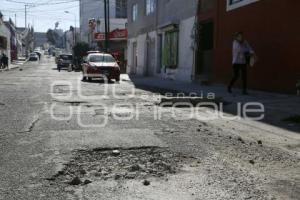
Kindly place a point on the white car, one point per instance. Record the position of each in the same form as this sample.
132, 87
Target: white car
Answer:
33, 57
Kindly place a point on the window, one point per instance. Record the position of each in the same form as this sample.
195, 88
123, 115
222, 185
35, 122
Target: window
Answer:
170, 49
66, 57
134, 12
3, 42
101, 58
234, 4
121, 8
235, 1
150, 6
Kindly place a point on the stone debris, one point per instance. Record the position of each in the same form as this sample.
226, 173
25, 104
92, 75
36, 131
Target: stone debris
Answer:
116, 152
82, 171
86, 182
146, 182
241, 140
75, 181
251, 162
140, 163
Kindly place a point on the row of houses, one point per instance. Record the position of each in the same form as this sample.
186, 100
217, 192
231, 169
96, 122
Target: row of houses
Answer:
14, 41
192, 40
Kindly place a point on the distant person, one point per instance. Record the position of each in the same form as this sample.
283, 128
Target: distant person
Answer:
242, 56
4, 61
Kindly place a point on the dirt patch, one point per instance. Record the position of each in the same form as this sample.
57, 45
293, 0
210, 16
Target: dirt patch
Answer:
71, 103
120, 164
61, 89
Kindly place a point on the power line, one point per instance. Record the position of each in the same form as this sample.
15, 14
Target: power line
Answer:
42, 4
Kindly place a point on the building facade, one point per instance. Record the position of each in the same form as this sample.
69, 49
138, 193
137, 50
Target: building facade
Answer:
271, 27
4, 38
192, 40
91, 9
161, 39
40, 39
13, 40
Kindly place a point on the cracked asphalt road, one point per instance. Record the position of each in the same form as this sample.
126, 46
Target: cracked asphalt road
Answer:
42, 128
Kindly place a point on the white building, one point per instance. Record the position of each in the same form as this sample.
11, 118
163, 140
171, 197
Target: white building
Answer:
95, 9
4, 38
161, 39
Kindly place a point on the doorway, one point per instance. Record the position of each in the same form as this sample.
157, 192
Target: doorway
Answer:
150, 68
134, 58
159, 54
204, 53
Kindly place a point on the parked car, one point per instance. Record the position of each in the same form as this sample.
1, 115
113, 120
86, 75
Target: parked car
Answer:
64, 60
57, 52
90, 52
38, 53
33, 57
97, 65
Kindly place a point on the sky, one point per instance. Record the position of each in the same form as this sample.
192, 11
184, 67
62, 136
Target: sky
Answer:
42, 14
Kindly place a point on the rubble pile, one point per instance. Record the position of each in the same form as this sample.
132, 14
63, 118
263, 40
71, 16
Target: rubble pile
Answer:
120, 164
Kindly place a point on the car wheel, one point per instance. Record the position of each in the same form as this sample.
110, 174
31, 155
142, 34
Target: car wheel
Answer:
90, 79
83, 78
118, 79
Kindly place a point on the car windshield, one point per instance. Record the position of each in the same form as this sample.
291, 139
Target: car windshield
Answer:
101, 58
66, 57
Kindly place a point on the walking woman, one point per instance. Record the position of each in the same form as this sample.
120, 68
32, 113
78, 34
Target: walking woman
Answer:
242, 56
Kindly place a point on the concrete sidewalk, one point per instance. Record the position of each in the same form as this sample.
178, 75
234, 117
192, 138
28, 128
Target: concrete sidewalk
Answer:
277, 106
16, 64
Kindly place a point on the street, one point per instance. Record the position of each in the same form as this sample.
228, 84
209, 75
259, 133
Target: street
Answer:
62, 138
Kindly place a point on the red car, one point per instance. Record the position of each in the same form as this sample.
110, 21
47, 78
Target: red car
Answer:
100, 65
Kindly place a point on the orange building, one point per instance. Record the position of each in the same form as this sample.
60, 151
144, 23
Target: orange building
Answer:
272, 27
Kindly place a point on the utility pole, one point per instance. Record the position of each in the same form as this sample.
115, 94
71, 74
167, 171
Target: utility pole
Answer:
107, 23
26, 16
26, 42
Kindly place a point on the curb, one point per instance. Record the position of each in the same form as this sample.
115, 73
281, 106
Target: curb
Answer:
19, 66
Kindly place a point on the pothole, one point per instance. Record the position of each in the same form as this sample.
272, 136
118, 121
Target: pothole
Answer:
121, 164
61, 89
72, 103
75, 103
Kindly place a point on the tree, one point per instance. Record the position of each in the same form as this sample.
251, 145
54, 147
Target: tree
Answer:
52, 36
79, 51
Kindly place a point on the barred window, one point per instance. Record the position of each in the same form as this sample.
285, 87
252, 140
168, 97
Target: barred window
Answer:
134, 12
234, 4
150, 6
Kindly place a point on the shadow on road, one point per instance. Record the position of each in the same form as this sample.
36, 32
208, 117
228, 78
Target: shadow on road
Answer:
277, 107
